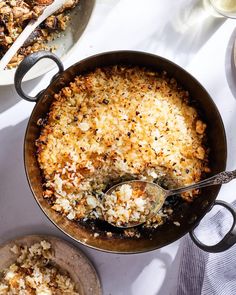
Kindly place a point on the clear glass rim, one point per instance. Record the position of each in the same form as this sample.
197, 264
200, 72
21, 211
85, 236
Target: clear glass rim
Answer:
224, 13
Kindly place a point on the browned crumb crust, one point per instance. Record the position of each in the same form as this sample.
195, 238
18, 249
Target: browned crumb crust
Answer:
118, 122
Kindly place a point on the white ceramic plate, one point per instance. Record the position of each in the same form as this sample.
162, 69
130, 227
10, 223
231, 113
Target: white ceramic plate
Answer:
66, 256
80, 16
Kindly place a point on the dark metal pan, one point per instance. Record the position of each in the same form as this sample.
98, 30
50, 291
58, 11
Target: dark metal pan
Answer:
187, 214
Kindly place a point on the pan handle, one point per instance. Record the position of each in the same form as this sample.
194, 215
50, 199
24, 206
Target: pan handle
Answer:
26, 65
229, 239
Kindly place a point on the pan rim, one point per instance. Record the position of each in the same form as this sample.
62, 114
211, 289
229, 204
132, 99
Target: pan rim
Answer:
217, 189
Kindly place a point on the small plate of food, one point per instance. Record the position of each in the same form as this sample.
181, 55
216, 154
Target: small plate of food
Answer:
45, 265
58, 33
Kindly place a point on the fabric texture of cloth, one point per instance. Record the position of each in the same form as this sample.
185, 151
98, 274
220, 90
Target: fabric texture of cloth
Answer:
203, 273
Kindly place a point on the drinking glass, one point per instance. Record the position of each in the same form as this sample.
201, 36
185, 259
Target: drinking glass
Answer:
225, 8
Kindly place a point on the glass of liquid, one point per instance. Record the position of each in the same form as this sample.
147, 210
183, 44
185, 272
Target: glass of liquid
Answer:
226, 8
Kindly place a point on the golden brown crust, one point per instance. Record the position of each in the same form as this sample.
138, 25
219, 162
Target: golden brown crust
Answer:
118, 122
43, 2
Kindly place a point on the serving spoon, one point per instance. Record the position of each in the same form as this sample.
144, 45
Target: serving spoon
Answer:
32, 25
157, 195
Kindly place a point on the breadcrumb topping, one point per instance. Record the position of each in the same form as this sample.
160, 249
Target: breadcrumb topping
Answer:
34, 273
127, 205
118, 123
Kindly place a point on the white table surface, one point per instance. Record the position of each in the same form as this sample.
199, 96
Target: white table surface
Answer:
179, 30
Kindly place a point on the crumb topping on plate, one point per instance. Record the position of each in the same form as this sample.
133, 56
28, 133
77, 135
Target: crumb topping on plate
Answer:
34, 273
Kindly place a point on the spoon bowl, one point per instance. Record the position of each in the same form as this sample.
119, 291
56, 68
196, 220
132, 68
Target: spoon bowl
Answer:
132, 203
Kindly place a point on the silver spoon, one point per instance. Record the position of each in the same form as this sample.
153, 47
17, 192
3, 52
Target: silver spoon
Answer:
157, 195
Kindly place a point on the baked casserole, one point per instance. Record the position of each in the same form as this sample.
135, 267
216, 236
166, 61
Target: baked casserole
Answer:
119, 123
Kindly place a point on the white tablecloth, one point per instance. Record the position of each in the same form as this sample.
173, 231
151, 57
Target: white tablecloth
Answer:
179, 30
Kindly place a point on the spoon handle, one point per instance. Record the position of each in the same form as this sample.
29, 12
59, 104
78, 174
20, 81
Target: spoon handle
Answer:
220, 178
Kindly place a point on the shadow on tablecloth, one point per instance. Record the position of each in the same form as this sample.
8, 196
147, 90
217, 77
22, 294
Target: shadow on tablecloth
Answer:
9, 96
230, 63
